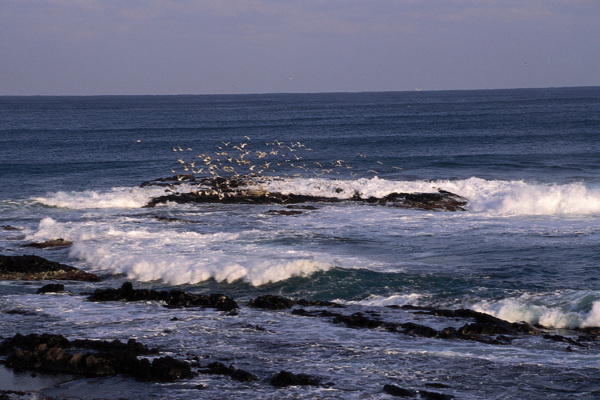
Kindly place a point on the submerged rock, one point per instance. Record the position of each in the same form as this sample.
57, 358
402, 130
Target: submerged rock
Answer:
398, 391
218, 368
286, 378
34, 268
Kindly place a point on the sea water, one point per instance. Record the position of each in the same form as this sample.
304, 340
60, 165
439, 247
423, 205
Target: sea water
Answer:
526, 248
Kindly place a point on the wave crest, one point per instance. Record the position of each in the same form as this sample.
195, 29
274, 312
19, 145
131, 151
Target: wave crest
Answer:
565, 311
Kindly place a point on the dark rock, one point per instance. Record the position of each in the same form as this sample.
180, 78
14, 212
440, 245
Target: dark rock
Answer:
398, 391
19, 312
357, 320
286, 378
238, 197
51, 288
434, 395
438, 385
242, 376
441, 201
222, 302
56, 354
10, 228
301, 207
172, 298
227, 190
317, 313
50, 243
318, 303
564, 339
284, 212
34, 268
271, 302
221, 369
168, 369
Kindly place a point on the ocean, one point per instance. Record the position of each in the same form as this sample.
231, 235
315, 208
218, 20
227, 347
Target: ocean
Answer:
527, 248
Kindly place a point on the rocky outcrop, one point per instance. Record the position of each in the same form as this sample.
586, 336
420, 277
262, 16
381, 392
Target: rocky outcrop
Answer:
273, 302
232, 191
60, 242
217, 368
286, 378
34, 268
51, 288
172, 298
56, 354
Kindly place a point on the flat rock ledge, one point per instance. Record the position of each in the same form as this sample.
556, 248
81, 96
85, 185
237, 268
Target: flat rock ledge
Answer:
35, 268
231, 191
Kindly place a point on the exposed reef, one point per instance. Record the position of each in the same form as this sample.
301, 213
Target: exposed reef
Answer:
35, 268
243, 191
91, 358
172, 298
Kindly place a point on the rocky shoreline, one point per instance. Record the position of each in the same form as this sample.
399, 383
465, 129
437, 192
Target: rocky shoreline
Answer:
54, 353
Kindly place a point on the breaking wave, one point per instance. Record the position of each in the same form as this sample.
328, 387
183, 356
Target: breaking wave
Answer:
567, 310
496, 197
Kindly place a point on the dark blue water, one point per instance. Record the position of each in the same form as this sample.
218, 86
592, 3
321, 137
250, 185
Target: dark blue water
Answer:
545, 135
526, 249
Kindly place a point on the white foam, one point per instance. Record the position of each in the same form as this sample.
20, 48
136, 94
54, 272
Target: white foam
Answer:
178, 257
487, 196
194, 268
118, 197
567, 310
496, 197
393, 300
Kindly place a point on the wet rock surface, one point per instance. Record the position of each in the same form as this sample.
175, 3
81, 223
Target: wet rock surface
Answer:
218, 368
231, 191
35, 268
172, 298
51, 288
477, 326
60, 242
56, 354
274, 302
286, 378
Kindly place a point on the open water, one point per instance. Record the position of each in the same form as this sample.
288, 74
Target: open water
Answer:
527, 248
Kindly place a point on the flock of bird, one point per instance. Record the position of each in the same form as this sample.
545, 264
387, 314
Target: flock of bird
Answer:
288, 159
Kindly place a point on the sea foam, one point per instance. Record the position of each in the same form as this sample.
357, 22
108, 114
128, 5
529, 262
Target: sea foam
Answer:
178, 257
566, 310
496, 197
118, 197
192, 268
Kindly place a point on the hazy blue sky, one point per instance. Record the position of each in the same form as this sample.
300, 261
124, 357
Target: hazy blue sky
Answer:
257, 46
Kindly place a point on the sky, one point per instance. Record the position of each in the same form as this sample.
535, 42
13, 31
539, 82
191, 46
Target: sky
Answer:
100, 47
